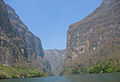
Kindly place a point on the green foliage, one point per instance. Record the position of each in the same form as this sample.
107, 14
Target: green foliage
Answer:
19, 72
106, 67
96, 69
73, 70
50, 73
78, 70
66, 70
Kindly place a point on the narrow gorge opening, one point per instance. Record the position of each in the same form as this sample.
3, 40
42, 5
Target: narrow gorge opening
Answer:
50, 22
43, 38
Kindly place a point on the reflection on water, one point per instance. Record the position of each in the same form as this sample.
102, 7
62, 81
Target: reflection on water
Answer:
108, 77
43, 79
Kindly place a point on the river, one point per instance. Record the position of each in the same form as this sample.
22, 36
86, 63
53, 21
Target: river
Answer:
108, 77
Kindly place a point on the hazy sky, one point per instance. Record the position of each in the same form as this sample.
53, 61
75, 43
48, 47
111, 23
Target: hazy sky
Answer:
50, 19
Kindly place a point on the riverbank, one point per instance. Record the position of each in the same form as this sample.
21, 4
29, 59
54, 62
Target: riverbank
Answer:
108, 66
9, 72
105, 77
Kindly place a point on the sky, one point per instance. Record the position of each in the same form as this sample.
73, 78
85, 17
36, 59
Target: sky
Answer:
50, 19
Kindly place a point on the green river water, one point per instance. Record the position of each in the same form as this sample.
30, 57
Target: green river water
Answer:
108, 77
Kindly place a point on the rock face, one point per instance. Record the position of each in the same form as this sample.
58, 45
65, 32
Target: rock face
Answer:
96, 38
11, 45
56, 58
32, 43
17, 43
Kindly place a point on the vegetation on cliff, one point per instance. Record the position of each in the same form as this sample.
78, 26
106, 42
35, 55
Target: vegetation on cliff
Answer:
95, 40
7, 72
109, 66
106, 67
73, 70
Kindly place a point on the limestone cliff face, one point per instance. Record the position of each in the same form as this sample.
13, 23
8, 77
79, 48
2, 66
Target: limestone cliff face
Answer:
96, 38
17, 43
56, 59
11, 45
33, 47
32, 43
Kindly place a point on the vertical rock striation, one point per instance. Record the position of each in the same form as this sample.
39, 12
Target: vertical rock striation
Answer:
17, 44
32, 43
11, 45
96, 38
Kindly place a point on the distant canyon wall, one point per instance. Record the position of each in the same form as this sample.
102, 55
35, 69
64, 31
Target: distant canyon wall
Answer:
56, 59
